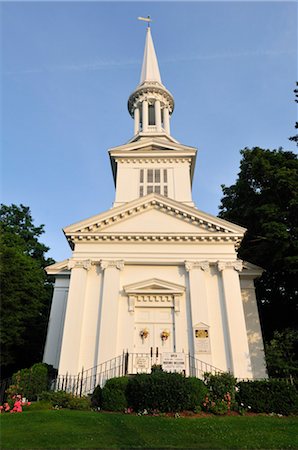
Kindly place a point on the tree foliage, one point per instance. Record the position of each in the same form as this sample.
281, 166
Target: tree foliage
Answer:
295, 138
282, 354
264, 200
25, 289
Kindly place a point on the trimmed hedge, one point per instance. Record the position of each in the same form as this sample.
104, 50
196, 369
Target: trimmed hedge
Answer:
164, 392
197, 392
268, 396
114, 394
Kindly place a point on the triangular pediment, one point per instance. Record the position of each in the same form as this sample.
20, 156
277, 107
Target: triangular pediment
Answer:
58, 268
154, 217
151, 145
153, 286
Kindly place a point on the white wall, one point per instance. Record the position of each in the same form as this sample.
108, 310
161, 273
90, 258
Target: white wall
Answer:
127, 188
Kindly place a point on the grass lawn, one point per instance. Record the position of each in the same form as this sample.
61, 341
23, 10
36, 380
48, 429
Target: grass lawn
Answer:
80, 429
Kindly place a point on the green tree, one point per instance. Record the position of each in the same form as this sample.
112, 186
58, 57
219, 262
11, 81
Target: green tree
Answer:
282, 354
26, 290
264, 199
295, 138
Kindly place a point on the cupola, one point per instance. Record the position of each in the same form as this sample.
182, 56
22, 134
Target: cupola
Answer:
151, 104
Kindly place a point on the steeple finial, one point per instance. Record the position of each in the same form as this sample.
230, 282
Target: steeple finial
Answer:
146, 19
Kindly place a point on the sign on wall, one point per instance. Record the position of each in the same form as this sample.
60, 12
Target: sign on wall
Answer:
141, 362
173, 362
201, 338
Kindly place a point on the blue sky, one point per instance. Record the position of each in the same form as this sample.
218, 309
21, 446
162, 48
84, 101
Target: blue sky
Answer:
69, 68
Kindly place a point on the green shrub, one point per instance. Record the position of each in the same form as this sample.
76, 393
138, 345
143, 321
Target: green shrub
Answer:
79, 403
62, 399
161, 391
197, 392
29, 383
220, 385
114, 394
96, 398
220, 408
268, 396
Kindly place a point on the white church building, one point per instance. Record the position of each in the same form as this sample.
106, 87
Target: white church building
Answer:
154, 276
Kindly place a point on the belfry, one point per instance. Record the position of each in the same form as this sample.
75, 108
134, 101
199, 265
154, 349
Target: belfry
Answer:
154, 277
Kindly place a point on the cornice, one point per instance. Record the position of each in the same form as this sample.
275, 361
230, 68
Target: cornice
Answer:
158, 238
147, 90
131, 159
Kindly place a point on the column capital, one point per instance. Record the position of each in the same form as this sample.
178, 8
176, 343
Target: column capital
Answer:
236, 265
203, 265
118, 264
79, 264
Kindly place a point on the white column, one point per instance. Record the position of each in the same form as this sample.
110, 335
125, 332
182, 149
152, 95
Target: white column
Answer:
72, 335
56, 323
198, 298
108, 333
240, 357
253, 327
145, 116
137, 120
166, 120
157, 115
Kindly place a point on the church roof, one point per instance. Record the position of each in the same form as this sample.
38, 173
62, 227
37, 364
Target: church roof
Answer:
182, 223
150, 69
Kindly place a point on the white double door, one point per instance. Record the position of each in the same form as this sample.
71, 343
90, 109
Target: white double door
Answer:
154, 332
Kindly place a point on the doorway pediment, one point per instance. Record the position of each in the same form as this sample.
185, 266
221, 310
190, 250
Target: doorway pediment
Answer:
154, 286
154, 293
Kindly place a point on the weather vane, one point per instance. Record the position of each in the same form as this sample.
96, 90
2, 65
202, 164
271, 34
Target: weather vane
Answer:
146, 19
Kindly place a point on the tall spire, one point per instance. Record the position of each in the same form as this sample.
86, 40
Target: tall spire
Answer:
150, 69
151, 104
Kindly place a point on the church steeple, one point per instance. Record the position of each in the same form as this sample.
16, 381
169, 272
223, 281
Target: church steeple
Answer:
150, 69
151, 104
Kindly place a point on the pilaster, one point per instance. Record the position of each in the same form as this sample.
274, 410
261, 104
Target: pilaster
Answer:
72, 335
157, 115
198, 298
240, 357
108, 333
136, 120
166, 120
145, 116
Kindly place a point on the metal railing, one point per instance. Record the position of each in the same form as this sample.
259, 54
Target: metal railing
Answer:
125, 364
86, 381
197, 368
